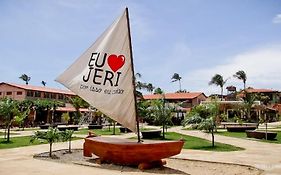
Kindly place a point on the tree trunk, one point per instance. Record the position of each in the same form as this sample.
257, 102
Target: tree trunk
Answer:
180, 85
8, 135
213, 138
69, 146
50, 152
221, 93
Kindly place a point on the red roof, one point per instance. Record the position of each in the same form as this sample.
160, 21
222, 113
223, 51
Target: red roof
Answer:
39, 88
174, 96
260, 90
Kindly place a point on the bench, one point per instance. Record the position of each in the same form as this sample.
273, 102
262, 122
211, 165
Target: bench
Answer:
149, 134
261, 135
69, 127
91, 126
226, 124
124, 130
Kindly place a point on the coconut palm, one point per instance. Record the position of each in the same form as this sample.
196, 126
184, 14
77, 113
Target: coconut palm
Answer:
241, 75
43, 83
25, 78
218, 80
150, 87
78, 103
51, 136
67, 136
176, 77
158, 91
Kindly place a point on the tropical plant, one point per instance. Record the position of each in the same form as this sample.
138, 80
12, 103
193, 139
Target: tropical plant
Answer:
25, 78
241, 75
205, 118
77, 102
218, 80
66, 117
177, 77
51, 136
43, 83
150, 87
8, 110
161, 113
248, 102
67, 136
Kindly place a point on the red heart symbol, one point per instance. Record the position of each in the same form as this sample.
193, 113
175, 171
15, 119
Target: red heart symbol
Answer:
115, 62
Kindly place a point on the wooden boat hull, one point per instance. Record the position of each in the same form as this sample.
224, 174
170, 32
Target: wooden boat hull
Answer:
128, 152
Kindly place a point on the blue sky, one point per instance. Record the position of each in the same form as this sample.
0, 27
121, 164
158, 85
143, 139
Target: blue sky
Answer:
195, 38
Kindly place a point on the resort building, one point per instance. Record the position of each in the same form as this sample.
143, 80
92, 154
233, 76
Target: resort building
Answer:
28, 92
183, 102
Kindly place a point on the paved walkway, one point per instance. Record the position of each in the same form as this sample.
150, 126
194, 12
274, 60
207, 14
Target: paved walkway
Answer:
265, 156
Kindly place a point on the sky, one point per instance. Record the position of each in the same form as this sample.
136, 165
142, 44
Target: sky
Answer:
194, 38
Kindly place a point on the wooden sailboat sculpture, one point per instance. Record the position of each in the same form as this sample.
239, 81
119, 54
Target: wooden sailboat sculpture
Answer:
104, 77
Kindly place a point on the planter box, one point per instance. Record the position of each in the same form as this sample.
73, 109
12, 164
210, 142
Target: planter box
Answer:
240, 128
94, 126
151, 134
261, 135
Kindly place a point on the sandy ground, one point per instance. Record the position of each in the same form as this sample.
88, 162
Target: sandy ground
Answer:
174, 166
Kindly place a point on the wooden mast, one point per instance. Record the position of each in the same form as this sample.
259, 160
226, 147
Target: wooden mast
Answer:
133, 78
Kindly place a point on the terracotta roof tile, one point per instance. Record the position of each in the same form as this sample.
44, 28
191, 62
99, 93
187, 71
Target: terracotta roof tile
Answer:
39, 88
260, 90
188, 95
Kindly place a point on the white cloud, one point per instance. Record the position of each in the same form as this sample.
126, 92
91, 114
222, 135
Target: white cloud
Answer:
277, 19
262, 67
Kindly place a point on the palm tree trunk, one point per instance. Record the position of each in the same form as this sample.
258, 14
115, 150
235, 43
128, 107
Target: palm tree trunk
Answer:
163, 131
8, 135
221, 93
113, 128
180, 84
50, 152
213, 138
69, 145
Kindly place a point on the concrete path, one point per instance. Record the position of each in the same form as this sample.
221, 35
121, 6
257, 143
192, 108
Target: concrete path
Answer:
261, 155
19, 161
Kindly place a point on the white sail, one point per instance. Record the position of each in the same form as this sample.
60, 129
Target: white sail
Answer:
103, 75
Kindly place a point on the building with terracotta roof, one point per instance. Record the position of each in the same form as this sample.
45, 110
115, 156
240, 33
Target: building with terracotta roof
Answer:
28, 92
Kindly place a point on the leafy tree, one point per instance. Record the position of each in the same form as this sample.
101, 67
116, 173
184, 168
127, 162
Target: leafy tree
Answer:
177, 77
8, 110
51, 136
43, 83
205, 116
161, 113
218, 80
241, 75
67, 136
25, 78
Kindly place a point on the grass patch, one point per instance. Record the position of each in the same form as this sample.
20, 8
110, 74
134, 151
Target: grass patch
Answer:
3, 133
104, 131
22, 141
243, 135
198, 143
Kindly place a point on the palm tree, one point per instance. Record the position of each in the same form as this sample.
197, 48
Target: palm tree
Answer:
241, 75
150, 87
176, 77
67, 136
158, 91
25, 78
77, 102
218, 80
44, 83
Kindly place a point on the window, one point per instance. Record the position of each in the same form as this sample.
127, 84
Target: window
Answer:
19, 93
53, 96
37, 94
30, 93
60, 97
0, 93
47, 95
9, 93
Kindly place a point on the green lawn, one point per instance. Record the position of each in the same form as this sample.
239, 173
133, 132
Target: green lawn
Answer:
199, 144
244, 136
104, 131
22, 141
2, 133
